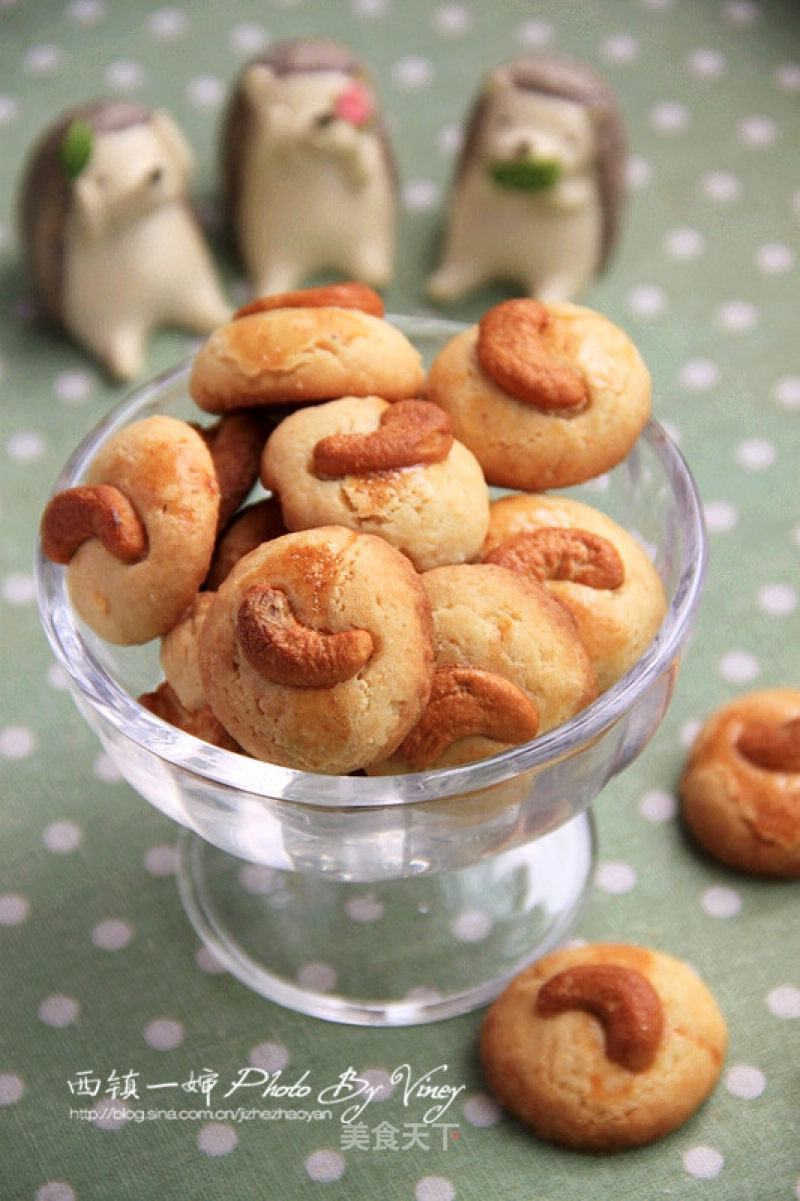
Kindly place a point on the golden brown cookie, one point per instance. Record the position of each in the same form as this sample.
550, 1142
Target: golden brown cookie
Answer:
603, 1047
178, 653
592, 564
509, 665
392, 470
740, 788
316, 651
296, 355
138, 535
548, 409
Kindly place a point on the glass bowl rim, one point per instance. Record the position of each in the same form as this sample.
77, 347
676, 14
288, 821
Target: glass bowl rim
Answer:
242, 774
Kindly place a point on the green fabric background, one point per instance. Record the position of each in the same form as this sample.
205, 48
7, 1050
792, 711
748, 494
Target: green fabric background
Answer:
706, 282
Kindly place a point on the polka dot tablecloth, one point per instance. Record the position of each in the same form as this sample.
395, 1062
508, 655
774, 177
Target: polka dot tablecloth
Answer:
104, 990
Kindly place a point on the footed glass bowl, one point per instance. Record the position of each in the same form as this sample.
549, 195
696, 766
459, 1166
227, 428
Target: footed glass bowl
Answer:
401, 899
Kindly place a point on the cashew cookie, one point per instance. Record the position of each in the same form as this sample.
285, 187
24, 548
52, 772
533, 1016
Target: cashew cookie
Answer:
137, 537
296, 355
316, 651
393, 470
603, 1047
509, 665
592, 564
740, 787
544, 395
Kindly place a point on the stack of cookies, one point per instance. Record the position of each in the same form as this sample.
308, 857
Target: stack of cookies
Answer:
372, 608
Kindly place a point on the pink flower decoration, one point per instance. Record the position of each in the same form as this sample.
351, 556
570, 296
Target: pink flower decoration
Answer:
355, 104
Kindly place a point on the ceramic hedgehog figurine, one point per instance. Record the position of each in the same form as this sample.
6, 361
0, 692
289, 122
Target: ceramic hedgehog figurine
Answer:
538, 189
308, 176
113, 247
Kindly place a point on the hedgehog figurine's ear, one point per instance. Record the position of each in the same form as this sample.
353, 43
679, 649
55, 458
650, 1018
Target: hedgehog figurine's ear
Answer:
258, 84
173, 140
498, 83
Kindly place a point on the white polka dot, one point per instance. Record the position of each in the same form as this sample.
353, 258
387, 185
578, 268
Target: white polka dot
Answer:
26, 447
684, 243
721, 186
58, 1011
163, 1034
534, 34
9, 108
105, 769
738, 667
777, 599
73, 387
721, 516
167, 24
369, 8
271, 1056
755, 453
365, 909
615, 877
699, 374
11, 1088
57, 678
705, 63
325, 1166
757, 131
784, 1001
471, 926
638, 172
123, 75
737, 316
412, 72
719, 901
206, 91
43, 60
319, 977
658, 805
451, 20
257, 879
423, 994
787, 393
62, 837
741, 12
647, 300
703, 1162
671, 116
55, 1190
775, 258
688, 732
620, 48
17, 742
111, 934
379, 1080
111, 1113
248, 38
87, 12
207, 961
420, 195
482, 1110
787, 77
161, 860
19, 589
217, 1138
745, 1082
434, 1188
14, 909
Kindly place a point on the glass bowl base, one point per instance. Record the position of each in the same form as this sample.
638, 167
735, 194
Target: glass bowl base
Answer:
395, 953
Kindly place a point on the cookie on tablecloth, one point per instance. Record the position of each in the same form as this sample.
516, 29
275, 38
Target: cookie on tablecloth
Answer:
740, 787
604, 1046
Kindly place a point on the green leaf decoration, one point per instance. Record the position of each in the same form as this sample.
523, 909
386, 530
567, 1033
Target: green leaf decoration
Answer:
525, 175
75, 148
